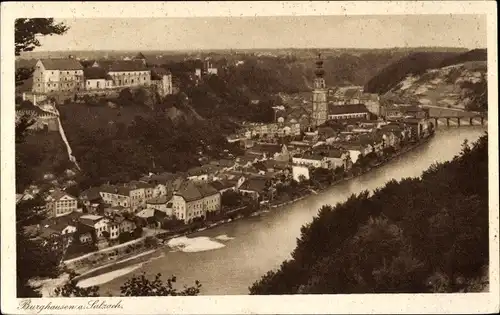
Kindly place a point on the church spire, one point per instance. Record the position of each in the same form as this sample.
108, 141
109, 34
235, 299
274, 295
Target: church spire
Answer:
319, 102
320, 72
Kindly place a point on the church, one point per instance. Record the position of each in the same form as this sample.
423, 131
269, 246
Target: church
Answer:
322, 110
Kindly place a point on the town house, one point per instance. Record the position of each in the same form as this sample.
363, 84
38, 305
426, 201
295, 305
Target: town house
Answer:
60, 203
97, 222
197, 174
149, 189
337, 158
57, 234
356, 148
160, 203
125, 224
224, 185
195, 200
310, 160
418, 127
162, 80
96, 78
57, 75
160, 190
398, 133
91, 199
256, 187
115, 195
118, 224
113, 229
126, 73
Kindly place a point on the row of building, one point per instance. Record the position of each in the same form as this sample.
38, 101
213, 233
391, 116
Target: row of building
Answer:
70, 76
358, 139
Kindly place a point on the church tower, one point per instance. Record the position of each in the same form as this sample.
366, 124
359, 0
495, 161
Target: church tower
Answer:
320, 105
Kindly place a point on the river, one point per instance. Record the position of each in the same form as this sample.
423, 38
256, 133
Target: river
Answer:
229, 258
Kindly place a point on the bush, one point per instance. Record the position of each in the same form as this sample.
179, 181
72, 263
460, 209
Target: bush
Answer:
150, 242
137, 232
125, 237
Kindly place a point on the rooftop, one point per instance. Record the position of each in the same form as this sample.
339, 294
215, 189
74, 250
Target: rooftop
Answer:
347, 109
91, 217
91, 194
309, 156
94, 73
123, 65
115, 189
159, 200
58, 194
157, 73
223, 184
255, 184
62, 64
194, 191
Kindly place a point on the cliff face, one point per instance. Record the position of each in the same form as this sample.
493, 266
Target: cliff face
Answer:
451, 86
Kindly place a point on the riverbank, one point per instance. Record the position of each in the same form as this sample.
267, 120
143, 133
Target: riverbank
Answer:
261, 243
371, 168
123, 263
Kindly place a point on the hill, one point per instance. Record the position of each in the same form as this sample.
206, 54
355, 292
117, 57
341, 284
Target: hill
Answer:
471, 55
412, 64
418, 235
121, 141
462, 86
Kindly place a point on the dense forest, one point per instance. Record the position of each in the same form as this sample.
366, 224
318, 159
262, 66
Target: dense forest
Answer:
153, 143
471, 55
267, 75
427, 234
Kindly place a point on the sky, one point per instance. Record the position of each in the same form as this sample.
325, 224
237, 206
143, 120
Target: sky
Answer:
467, 31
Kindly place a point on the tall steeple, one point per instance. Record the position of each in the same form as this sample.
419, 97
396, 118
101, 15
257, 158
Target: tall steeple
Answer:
320, 105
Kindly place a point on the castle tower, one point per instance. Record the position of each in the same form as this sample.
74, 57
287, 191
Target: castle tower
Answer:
320, 105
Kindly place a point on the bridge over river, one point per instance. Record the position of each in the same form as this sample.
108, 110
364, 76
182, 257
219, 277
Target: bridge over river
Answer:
456, 117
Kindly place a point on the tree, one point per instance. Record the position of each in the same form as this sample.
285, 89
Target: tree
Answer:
230, 198
25, 37
135, 286
33, 259
22, 125
142, 286
125, 237
476, 94
27, 31
71, 289
126, 97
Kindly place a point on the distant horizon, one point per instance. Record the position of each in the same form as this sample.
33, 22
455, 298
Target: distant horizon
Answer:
466, 31
26, 54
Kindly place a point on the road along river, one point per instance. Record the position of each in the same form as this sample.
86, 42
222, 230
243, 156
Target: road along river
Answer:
229, 258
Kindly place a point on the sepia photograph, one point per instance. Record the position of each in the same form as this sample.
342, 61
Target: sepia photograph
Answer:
258, 155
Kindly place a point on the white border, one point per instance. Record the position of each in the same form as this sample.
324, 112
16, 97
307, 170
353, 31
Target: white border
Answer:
303, 304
